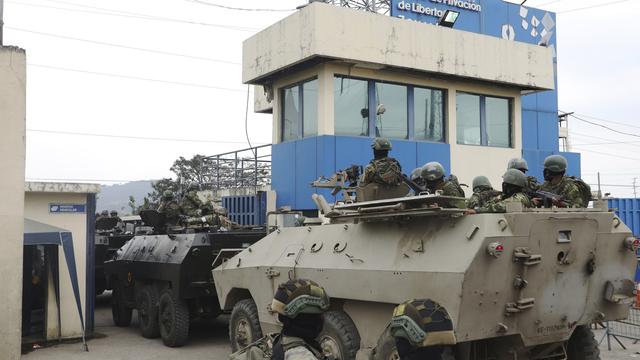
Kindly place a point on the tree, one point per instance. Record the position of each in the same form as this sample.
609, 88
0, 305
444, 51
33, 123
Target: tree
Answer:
191, 172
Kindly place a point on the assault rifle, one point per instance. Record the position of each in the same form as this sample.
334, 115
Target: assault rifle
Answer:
415, 187
549, 198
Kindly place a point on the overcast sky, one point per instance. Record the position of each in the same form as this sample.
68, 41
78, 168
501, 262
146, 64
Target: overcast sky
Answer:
199, 98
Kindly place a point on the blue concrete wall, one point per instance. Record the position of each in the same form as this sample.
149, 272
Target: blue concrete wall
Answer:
629, 212
298, 163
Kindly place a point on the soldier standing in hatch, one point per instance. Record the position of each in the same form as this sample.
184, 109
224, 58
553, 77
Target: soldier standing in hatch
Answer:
383, 170
170, 208
557, 183
483, 192
422, 329
514, 183
191, 204
433, 175
532, 182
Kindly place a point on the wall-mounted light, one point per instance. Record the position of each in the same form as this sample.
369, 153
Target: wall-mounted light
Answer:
449, 18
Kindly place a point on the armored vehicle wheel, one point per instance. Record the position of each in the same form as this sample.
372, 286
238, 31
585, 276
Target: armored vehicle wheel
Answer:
244, 324
339, 336
583, 345
173, 319
147, 304
119, 311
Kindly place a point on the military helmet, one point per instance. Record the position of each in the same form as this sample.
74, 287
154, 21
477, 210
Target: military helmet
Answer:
113, 213
555, 163
300, 296
423, 323
104, 213
515, 177
432, 171
381, 144
481, 181
518, 163
167, 194
415, 174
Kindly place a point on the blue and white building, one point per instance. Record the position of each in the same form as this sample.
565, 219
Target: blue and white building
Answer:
471, 97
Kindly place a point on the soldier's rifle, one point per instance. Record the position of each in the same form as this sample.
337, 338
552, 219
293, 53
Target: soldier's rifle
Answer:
549, 198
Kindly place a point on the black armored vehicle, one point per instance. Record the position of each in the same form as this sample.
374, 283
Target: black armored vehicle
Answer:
111, 234
166, 275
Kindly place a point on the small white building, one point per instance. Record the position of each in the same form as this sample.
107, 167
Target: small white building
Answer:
58, 283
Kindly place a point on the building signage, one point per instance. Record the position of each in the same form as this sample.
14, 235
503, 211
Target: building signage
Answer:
422, 7
67, 208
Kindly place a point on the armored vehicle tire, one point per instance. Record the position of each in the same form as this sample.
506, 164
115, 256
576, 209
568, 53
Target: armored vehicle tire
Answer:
173, 319
244, 324
119, 311
147, 305
339, 336
583, 345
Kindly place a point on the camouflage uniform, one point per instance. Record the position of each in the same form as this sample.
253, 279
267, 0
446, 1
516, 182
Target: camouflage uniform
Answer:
385, 171
499, 205
171, 210
567, 189
448, 188
532, 186
481, 197
191, 204
299, 304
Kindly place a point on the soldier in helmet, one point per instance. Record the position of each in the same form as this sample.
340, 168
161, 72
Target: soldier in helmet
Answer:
556, 182
382, 169
170, 208
513, 186
422, 329
103, 214
482, 192
433, 175
191, 203
300, 304
532, 182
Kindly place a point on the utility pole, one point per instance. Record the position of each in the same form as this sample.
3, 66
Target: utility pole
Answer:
599, 189
1, 20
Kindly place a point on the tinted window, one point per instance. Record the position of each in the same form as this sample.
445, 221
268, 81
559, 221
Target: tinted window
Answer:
498, 125
428, 112
468, 119
351, 107
310, 108
391, 122
290, 113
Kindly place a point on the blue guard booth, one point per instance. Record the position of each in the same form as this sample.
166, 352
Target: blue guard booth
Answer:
41, 245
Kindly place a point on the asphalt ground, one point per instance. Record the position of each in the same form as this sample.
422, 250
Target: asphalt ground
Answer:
207, 340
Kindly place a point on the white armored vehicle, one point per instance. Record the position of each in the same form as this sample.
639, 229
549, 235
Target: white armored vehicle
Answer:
525, 284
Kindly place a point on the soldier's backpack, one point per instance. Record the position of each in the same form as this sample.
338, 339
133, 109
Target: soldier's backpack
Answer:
388, 171
584, 188
454, 179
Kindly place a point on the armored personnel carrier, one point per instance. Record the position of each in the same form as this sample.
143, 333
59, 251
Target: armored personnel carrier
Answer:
166, 277
108, 239
525, 284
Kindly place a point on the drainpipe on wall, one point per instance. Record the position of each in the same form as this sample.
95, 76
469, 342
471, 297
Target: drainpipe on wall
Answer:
1, 20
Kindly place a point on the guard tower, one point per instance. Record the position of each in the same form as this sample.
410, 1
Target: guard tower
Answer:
334, 78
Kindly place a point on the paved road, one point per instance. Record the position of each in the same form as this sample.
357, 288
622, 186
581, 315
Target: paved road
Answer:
207, 341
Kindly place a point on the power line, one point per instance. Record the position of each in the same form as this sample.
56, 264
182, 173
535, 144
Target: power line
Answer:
138, 16
136, 137
609, 154
609, 121
135, 78
604, 126
592, 6
237, 8
82, 180
122, 46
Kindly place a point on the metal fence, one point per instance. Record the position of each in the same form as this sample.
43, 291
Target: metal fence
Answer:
625, 329
246, 168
